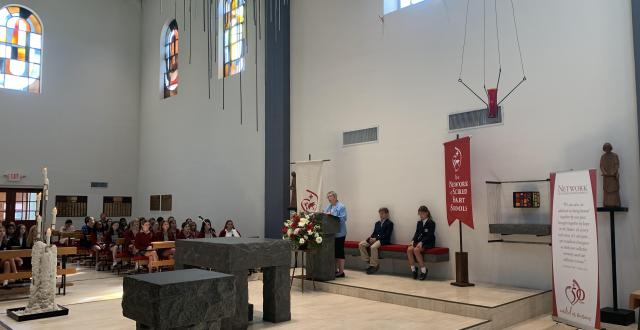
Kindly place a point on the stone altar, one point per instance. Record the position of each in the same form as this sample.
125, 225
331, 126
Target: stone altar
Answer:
236, 256
322, 263
183, 299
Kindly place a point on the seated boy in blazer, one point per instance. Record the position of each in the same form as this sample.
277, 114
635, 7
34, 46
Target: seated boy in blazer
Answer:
381, 236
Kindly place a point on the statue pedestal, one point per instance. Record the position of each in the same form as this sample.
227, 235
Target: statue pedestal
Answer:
322, 263
615, 315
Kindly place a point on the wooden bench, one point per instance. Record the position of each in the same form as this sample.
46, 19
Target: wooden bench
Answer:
399, 251
166, 262
63, 253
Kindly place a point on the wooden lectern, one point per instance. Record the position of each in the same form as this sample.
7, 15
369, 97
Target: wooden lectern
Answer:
321, 265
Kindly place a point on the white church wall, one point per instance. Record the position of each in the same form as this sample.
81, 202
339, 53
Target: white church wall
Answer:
350, 71
189, 146
84, 124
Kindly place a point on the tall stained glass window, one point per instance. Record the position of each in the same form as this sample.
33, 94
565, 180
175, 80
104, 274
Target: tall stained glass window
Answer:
20, 49
171, 48
234, 36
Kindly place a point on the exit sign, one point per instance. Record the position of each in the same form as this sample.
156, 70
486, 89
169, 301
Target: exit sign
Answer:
14, 176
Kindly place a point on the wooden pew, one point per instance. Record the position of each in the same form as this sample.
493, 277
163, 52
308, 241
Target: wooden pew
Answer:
63, 253
162, 263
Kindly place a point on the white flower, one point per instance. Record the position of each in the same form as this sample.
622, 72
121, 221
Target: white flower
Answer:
300, 224
316, 235
297, 231
289, 232
302, 241
309, 232
304, 221
319, 239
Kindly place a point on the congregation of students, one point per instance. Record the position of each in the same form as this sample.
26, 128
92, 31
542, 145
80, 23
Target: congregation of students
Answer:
138, 234
105, 234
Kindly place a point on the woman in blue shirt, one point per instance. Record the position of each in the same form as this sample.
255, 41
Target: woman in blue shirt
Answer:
338, 209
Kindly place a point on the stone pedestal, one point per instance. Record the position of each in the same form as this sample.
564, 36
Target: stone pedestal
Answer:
323, 262
182, 299
236, 256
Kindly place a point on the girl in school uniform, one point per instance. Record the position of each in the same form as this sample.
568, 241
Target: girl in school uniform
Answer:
206, 231
173, 226
186, 233
142, 242
111, 239
19, 240
165, 235
9, 265
130, 234
229, 230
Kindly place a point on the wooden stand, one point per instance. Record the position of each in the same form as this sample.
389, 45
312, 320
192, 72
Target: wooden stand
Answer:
462, 265
615, 315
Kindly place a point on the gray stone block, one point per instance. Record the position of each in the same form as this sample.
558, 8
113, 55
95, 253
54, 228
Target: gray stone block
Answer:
233, 254
276, 292
182, 299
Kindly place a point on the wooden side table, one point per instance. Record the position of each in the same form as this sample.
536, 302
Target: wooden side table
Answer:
634, 302
303, 253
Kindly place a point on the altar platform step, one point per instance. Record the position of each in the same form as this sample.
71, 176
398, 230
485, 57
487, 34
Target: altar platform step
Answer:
500, 306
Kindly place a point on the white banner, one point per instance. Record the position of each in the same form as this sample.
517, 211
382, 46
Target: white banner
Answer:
574, 231
309, 186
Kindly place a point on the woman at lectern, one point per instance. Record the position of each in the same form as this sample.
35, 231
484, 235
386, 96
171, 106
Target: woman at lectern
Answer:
337, 209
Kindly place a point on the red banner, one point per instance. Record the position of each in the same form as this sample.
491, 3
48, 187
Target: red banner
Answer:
457, 171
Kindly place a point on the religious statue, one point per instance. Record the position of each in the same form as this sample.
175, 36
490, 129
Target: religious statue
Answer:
293, 206
609, 165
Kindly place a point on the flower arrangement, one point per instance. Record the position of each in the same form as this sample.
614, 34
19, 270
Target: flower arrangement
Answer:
302, 231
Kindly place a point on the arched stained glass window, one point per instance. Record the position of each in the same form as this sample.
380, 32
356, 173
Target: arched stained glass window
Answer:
171, 49
20, 49
234, 36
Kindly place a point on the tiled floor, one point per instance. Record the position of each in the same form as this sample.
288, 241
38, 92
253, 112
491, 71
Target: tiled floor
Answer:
546, 323
94, 302
486, 295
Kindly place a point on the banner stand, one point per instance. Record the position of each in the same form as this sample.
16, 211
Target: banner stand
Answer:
462, 265
459, 207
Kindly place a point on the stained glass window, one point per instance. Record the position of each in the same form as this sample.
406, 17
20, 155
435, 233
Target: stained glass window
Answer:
171, 48
20, 49
234, 36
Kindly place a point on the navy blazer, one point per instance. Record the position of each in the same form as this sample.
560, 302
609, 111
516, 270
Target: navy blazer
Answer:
425, 234
382, 232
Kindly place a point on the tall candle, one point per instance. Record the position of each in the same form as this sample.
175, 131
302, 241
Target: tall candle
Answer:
48, 236
54, 213
38, 227
38, 199
46, 183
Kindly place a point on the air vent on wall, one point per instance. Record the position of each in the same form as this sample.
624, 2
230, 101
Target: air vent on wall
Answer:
99, 184
473, 118
367, 135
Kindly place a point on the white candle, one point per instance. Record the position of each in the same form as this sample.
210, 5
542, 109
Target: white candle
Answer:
38, 199
38, 228
46, 183
48, 236
54, 213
